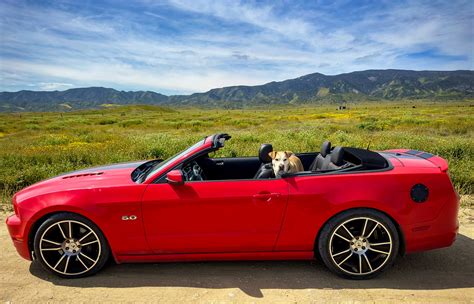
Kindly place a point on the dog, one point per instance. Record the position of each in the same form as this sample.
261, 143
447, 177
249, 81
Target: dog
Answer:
284, 162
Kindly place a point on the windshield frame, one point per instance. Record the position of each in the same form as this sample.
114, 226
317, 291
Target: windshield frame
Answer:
171, 160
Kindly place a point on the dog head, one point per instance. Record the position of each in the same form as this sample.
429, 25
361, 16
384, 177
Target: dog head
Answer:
280, 162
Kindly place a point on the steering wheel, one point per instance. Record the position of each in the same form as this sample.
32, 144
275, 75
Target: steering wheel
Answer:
197, 171
193, 172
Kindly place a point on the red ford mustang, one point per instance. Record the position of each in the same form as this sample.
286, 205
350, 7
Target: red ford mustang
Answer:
354, 209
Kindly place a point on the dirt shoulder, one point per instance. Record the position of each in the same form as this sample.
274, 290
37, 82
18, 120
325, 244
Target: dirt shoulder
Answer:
443, 275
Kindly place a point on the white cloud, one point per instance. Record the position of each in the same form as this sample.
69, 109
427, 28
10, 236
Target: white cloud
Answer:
51, 86
123, 75
419, 25
261, 16
57, 49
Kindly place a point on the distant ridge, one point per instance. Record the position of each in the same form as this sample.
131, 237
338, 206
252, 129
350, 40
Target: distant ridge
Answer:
80, 98
312, 88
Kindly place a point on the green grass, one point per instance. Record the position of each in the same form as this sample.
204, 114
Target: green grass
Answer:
36, 146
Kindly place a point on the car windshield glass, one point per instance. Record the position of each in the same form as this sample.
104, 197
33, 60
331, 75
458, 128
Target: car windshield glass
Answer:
160, 165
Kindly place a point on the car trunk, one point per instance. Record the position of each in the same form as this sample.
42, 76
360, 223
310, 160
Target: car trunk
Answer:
415, 158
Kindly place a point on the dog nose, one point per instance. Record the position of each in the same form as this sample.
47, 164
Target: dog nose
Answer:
282, 167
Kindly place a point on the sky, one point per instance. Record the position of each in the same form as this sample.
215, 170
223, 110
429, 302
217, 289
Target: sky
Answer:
186, 46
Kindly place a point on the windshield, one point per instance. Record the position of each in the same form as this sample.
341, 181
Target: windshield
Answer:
173, 158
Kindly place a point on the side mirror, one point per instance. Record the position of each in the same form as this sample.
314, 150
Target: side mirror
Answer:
175, 177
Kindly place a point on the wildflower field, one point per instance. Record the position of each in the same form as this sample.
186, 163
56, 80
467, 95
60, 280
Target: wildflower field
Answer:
36, 146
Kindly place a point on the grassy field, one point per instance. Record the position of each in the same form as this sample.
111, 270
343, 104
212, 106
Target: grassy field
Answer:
35, 146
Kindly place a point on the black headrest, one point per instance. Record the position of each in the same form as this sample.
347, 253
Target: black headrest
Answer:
325, 148
337, 156
265, 149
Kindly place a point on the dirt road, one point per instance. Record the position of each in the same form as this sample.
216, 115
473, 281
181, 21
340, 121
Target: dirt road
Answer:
443, 275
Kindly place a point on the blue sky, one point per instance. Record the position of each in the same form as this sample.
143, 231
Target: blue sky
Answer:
181, 46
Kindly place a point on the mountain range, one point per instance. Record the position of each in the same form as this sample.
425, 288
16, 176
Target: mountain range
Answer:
313, 88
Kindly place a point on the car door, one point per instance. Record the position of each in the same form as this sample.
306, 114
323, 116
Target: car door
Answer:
214, 216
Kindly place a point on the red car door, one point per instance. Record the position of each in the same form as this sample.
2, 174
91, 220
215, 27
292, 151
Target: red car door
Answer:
214, 216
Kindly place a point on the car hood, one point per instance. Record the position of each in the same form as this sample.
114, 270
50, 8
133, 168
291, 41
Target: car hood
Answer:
96, 177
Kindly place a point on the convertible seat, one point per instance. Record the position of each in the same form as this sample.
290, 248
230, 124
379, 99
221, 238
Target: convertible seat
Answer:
337, 159
323, 159
265, 170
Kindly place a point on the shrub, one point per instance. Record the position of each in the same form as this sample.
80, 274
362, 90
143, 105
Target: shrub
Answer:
131, 122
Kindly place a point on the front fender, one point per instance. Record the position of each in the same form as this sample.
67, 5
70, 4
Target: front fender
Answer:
103, 206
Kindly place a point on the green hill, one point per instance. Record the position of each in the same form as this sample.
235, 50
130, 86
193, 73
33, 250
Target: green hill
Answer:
312, 88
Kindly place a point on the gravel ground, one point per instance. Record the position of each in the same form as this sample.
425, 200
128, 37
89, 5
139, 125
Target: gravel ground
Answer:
444, 275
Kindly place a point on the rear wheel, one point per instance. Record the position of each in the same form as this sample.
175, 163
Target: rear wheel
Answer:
359, 243
70, 246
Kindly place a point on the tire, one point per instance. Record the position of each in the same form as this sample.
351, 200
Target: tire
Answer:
359, 244
70, 246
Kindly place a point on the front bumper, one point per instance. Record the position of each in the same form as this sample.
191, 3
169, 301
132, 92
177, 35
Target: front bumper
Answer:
20, 241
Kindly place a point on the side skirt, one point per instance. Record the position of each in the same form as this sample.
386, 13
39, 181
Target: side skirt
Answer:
241, 256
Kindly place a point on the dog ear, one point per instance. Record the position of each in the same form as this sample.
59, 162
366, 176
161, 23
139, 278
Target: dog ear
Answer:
272, 154
288, 153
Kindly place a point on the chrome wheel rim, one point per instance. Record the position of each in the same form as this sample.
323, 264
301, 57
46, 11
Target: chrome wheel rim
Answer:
70, 247
360, 246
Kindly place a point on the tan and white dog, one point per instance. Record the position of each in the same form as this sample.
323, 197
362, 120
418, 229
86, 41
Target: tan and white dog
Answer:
285, 162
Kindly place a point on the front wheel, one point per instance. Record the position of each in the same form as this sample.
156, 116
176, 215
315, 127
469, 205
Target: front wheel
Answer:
70, 246
359, 243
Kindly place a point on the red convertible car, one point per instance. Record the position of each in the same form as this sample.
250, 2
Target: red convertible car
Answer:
353, 209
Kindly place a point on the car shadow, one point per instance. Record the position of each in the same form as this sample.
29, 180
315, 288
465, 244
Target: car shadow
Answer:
438, 269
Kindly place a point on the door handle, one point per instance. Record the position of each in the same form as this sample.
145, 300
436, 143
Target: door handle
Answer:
219, 163
266, 196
